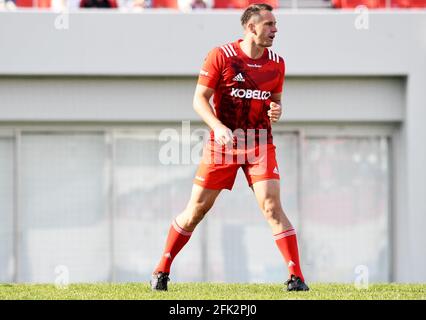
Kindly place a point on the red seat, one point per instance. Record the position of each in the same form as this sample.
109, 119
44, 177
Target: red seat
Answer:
44, 3
408, 3
230, 4
33, 3
350, 4
372, 4
24, 3
241, 4
165, 4
272, 3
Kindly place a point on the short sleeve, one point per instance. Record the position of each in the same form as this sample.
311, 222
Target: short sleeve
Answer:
211, 70
279, 86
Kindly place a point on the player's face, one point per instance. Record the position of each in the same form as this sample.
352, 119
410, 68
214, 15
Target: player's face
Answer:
265, 27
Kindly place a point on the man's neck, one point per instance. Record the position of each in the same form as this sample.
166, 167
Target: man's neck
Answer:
251, 49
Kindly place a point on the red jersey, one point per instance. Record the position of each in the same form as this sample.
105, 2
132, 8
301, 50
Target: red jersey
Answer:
242, 86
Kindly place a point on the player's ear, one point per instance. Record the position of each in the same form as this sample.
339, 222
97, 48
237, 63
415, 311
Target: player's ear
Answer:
251, 27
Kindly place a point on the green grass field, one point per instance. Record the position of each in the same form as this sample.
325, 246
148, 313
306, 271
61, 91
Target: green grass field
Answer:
207, 291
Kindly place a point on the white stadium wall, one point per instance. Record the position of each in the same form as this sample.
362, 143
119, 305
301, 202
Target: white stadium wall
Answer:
115, 68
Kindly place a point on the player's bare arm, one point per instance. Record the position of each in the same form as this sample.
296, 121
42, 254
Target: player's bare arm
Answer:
223, 135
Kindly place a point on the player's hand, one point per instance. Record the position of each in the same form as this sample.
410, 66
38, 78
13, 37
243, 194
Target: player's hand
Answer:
274, 112
223, 135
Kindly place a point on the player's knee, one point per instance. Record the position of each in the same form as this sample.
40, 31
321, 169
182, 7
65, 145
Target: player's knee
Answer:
197, 211
272, 210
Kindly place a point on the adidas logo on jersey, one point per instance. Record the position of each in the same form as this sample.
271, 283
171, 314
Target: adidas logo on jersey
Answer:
276, 171
250, 94
239, 77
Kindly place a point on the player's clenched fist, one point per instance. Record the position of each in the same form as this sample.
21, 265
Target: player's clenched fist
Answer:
274, 112
223, 135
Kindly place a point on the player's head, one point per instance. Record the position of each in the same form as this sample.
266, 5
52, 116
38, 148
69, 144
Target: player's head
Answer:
259, 24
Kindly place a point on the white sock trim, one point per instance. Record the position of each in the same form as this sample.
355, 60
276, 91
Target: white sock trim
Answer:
284, 234
180, 230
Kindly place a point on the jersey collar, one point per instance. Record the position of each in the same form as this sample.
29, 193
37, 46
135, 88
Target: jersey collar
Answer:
241, 52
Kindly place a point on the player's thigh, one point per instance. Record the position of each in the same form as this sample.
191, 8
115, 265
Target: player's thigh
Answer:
267, 193
202, 198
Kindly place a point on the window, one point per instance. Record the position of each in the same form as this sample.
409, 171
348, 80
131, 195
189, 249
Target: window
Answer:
6, 208
63, 207
345, 214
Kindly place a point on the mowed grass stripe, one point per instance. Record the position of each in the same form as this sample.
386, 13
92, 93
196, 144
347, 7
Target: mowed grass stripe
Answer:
209, 291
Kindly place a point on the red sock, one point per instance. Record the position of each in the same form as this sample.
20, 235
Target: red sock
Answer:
176, 240
287, 243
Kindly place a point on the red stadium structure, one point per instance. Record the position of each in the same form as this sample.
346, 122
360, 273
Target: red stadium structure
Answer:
165, 4
241, 4
47, 3
408, 3
33, 3
376, 4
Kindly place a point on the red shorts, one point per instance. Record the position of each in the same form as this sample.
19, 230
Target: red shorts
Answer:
219, 166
